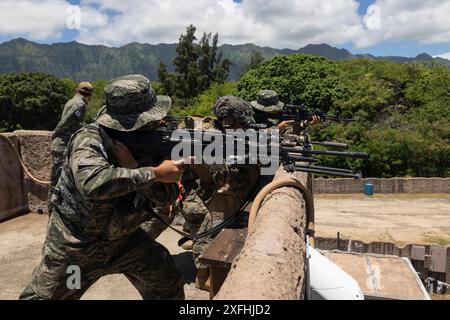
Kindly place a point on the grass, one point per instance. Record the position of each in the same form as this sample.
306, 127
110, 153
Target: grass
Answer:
442, 240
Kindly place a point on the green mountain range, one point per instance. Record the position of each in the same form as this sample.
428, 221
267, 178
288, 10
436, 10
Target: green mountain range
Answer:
93, 62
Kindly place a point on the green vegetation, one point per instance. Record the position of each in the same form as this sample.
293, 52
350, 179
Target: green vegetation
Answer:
197, 66
402, 110
297, 78
439, 239
31, 101
97, 102
202, 104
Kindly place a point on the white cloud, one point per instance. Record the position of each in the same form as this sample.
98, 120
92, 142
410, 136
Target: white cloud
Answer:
443, 55
424, 22
282, 23
37, 20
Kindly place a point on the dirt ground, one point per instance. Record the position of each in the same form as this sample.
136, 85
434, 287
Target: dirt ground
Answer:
21, 241
399, 218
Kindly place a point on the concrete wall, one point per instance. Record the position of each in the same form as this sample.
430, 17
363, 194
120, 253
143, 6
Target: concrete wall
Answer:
35, 151
18, 193
12, 196
394, 185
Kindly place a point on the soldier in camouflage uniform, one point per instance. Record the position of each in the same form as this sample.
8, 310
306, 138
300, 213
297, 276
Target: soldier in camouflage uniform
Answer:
232, 113
219, 192
98, 207
70, 122
268, 103
200, 183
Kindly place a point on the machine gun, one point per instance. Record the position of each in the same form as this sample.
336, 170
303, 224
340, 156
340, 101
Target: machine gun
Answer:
293, 145
298, 114
301, 112
294, 152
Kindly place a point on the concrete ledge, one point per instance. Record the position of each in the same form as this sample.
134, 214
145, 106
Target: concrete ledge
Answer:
271, 265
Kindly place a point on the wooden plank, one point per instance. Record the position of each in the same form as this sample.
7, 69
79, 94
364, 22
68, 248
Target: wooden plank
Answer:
381, 276
225, 248
418, 253
438, 259
218, 276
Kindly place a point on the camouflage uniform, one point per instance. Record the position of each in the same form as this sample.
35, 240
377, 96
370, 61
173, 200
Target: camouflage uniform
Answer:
221, 194
200, 184
70, 122
267, 102
98, 208
240, 181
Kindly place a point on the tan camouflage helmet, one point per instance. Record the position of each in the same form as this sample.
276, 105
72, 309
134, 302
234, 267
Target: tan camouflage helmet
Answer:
131, 104
85, 88
268, 101
237, 108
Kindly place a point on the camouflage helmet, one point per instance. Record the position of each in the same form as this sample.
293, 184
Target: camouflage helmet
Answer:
237, 108
268, 101
131, 103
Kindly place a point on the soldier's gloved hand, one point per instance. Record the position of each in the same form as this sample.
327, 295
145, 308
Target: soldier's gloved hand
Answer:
124, 156
169, 171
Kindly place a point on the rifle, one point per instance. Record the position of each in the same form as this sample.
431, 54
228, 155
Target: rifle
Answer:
294, 152
297, 114
300, 144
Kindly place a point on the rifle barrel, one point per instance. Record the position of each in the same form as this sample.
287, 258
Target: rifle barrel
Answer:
329, 169
330, 144
292, 168
356, 155
299, 158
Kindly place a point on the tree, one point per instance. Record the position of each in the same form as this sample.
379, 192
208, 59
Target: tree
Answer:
166, 80
32, 101
197, 66
256, 59
206, 61
186, 67
401, 110
297, 78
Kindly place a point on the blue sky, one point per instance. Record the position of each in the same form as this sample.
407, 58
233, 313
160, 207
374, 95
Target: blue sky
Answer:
407, 27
